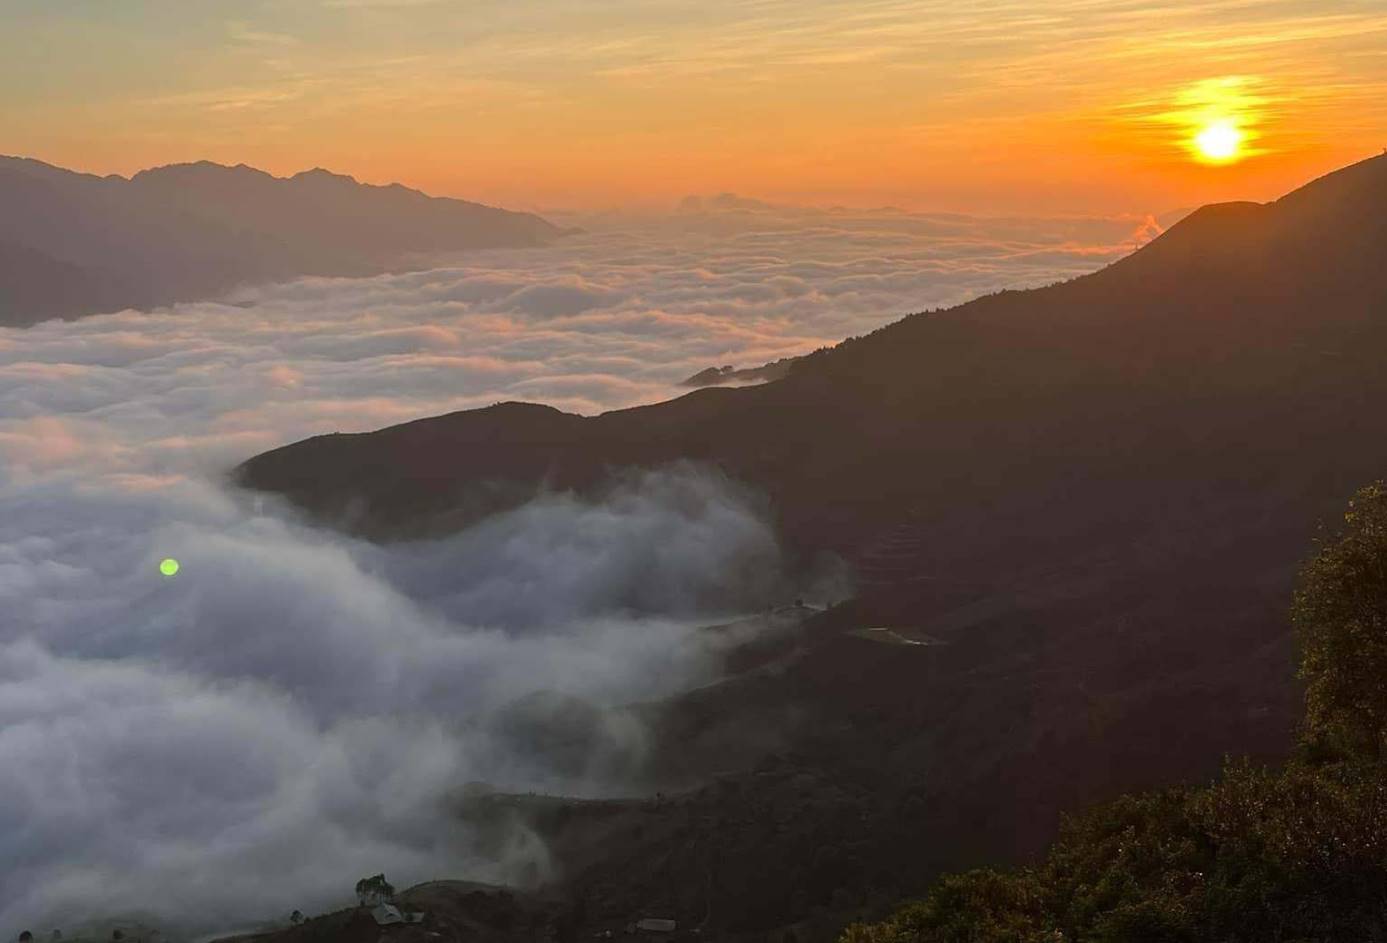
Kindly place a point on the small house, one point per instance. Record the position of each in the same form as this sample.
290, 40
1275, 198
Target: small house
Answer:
387, 915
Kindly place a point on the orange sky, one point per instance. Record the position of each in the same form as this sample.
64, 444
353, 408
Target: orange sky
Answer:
986, 105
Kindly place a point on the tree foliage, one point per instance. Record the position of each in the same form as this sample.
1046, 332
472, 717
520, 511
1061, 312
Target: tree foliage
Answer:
374, 889
1340, 614
1298, 854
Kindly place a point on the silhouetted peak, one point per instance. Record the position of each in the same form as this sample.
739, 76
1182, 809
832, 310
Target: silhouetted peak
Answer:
198, 171
1330, 222
184, 169
318, 176
513, 417
1211, 225
520, 407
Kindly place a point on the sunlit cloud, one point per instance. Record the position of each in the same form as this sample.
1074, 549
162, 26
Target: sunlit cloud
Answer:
244, 33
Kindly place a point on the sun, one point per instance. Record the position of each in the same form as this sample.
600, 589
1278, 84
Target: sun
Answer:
1219, 142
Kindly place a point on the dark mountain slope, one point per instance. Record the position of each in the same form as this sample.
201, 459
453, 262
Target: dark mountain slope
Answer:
194, 230
1095, 494
1220, 351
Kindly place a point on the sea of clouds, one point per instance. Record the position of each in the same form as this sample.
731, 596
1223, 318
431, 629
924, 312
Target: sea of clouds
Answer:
296, 709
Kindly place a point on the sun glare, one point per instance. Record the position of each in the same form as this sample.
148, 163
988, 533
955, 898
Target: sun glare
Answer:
1214, 122
1219, 142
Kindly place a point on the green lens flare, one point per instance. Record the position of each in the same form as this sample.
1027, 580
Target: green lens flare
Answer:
168, 567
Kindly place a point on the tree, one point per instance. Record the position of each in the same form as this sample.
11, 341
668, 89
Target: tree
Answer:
1340, 614
374, 890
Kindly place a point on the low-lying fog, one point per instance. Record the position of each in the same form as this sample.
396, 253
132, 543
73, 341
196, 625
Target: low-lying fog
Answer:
289, 711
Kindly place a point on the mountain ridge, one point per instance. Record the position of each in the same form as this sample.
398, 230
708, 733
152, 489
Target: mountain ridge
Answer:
195, 230
1114, 330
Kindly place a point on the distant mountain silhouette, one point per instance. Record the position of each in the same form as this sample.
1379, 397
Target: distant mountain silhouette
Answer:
74, 244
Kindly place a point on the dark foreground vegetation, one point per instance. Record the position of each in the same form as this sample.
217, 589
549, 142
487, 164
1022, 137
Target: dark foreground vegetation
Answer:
1298, 853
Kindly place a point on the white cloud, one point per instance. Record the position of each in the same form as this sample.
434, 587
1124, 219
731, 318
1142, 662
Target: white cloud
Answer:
290, 711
